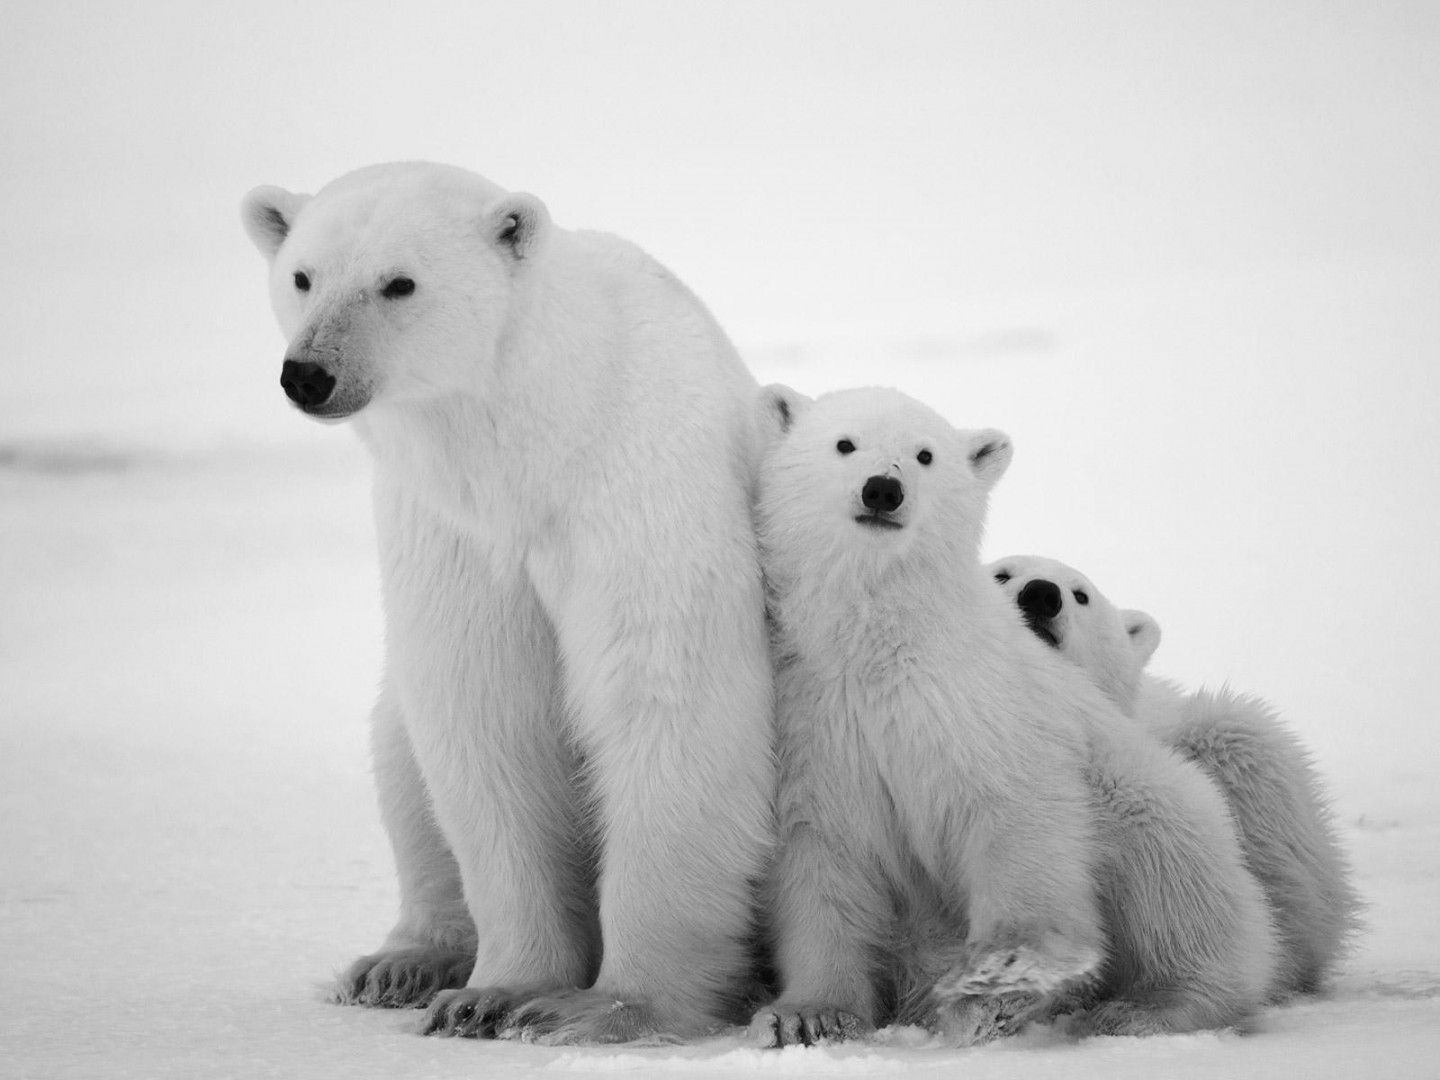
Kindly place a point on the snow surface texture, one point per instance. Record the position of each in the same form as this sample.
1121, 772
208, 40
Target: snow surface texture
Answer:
191, 636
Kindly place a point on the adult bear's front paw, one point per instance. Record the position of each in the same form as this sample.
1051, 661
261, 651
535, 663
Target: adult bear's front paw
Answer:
471, 1013
804, 1025
402, 978
569, 1017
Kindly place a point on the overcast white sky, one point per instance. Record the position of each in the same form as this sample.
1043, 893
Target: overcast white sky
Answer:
801, 164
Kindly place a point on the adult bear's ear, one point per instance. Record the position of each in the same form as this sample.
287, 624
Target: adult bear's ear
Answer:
517, 223
989, 452
268, 213
776, 407
1144, 634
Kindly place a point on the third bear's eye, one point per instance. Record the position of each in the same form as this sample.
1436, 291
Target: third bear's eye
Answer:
397, 287
1081, 597
845, 446
302, 281
924, 457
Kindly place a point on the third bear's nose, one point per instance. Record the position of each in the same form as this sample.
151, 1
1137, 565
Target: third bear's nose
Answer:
883, 493
1040, 599
306, 383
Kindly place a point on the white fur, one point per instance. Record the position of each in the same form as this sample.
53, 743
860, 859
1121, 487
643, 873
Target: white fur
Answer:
1286, 828
932, 803
951, 793
573, 745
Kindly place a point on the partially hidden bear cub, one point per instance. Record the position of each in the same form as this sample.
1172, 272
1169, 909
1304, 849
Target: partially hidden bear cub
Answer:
953, 794
1286, 828
573, 738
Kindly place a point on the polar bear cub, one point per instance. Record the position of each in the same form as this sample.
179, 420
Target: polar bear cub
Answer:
1286, 828
950, 792
922, 769
573, 738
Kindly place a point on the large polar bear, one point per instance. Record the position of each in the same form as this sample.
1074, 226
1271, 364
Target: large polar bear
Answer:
1286, 828
573, 738
951, 792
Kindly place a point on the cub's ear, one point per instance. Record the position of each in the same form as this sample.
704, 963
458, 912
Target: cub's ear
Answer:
990, 453
1144, 634
517, 223
267, 214
776, 407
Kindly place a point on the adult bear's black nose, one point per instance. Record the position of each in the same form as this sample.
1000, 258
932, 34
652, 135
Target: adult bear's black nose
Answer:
883, 493
1040, 599
305, 383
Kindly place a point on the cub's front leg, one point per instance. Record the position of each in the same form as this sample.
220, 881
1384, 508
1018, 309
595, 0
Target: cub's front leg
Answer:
828, 919
828, 908
1028, 864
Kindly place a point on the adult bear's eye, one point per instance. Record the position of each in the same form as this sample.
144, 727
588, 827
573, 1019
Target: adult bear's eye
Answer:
1081, 597
924, 457
397, 287
302, 281
845, 446
1002, 576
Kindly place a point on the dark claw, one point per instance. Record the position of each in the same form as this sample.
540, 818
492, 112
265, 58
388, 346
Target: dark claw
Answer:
792, 1031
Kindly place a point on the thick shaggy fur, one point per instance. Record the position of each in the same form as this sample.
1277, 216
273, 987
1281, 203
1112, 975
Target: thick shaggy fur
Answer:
573, 743
951, 793
923, 774
1275, 794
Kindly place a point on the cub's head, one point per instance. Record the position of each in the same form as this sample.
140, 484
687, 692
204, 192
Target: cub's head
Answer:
393, 283
857, 479
1068, 613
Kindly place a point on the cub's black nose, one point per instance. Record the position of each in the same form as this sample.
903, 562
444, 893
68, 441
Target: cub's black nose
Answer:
883, 493
1040, 599
305, 383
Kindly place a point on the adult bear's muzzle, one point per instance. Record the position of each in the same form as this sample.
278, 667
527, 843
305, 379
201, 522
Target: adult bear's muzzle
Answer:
306, 383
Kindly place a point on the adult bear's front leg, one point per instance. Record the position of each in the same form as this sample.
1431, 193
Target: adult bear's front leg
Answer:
432, 946
474, 668
668, 672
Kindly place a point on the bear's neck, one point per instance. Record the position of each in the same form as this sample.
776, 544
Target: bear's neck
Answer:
488, 453
949, 609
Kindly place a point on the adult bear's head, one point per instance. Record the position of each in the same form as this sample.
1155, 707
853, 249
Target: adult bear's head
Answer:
393, 283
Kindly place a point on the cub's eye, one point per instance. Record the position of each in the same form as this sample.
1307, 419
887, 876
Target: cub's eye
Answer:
924, 457
302, 281
1002, 576
397, 287
845, 446
1081, 597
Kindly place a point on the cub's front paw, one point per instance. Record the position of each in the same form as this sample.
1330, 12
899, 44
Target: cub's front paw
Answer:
471, 1013
1012, 969
402, 978
972, 1021
783, 1025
